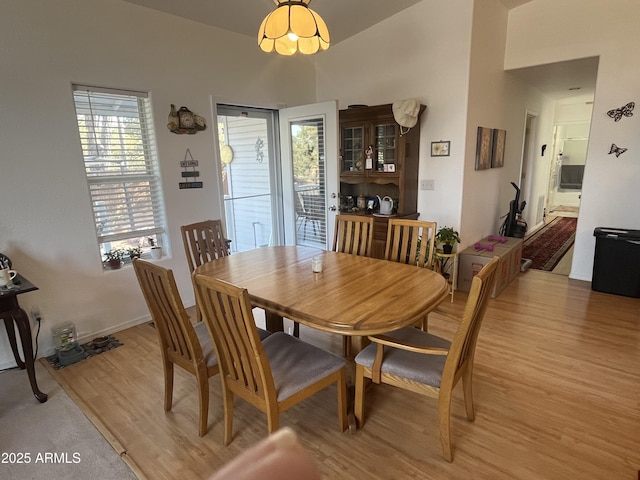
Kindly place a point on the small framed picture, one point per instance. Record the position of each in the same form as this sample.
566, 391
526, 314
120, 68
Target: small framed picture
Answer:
440, 149
389, 167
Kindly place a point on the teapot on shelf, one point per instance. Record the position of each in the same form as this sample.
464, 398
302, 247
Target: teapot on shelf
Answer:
386, 205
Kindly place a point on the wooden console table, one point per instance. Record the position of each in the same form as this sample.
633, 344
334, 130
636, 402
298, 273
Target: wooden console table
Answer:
11, 313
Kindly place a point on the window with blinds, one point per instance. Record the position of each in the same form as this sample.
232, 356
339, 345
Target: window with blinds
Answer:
121, 164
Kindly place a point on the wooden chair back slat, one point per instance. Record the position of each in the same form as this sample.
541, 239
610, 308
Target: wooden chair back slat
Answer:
167, 311
353, 234
227, 311
411, 242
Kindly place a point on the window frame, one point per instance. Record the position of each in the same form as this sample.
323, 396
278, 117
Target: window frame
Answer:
124, 182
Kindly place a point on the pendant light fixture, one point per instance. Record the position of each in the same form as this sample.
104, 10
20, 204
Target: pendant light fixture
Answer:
293, 27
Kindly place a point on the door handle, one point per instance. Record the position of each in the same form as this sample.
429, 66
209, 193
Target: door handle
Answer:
333, 208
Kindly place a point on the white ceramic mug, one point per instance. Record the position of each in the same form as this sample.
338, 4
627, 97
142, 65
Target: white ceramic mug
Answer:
6, 276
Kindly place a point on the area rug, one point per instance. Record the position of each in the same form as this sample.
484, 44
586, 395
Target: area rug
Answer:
564, 208
90, 349
546, 247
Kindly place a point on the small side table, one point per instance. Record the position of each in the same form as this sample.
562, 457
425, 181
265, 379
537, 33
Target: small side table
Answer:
446, 263
11, 313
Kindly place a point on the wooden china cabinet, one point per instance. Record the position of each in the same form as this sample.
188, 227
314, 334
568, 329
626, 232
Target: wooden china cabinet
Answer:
392, 168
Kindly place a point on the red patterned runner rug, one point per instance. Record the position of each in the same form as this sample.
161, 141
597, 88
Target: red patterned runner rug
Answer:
548, 245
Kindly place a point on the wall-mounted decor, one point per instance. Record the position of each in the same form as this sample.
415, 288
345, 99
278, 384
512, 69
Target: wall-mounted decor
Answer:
190, 174
618, 113
497, 150
185, 121
440, 149
483, 148
259, 150
617, 150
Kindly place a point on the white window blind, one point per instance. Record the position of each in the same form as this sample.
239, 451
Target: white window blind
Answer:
121, 162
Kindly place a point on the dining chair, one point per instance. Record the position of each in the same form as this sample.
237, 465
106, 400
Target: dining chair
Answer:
415, 360
203, 242
353, 234
306, 212
411, 242
272, 375
181, 343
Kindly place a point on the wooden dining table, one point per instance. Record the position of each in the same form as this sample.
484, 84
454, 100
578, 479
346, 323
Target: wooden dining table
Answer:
353, 295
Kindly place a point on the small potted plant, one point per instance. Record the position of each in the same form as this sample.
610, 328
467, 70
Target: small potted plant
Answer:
113, 258
447, 237
156, 251
134, 252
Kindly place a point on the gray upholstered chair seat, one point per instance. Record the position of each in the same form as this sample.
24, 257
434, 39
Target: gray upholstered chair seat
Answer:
425, 369
208, 350
296, 364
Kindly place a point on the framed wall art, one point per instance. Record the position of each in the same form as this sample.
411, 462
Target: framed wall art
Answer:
483, 148
440, 149
497, 155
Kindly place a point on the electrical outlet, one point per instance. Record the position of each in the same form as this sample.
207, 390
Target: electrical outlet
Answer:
35, 314
427, 184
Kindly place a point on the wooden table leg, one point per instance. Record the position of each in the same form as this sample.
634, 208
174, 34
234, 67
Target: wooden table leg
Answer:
273, 321
21, 320
11, 333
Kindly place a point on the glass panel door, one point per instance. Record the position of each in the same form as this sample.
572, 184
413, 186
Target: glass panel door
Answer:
249, 180
309, 142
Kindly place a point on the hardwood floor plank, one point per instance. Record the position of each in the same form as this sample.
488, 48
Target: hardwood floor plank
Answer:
556, 392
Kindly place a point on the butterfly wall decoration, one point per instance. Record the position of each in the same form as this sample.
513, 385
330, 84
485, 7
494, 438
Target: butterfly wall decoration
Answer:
617, 150
625, 111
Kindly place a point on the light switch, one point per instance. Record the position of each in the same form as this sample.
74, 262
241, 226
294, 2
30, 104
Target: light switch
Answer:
427, 184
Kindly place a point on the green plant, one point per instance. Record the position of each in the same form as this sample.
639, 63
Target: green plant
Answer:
113, 255
448, 236
134, 252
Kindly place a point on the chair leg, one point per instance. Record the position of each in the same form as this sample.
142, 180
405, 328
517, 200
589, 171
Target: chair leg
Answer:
444, 419
342, 401
359, 400
228, 414
273, 418
168, 384
467, 387
203, 398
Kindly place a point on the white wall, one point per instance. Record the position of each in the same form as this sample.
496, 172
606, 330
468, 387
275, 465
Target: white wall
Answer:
607, 28
496, 100
46, 222
423, 53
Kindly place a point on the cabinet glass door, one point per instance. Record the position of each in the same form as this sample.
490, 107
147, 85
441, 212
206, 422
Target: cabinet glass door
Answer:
352, 149
385, 145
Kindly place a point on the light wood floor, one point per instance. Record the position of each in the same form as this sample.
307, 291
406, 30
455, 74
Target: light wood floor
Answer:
557, 394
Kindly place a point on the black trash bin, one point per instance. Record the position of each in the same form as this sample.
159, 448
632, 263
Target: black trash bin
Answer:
616, 266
